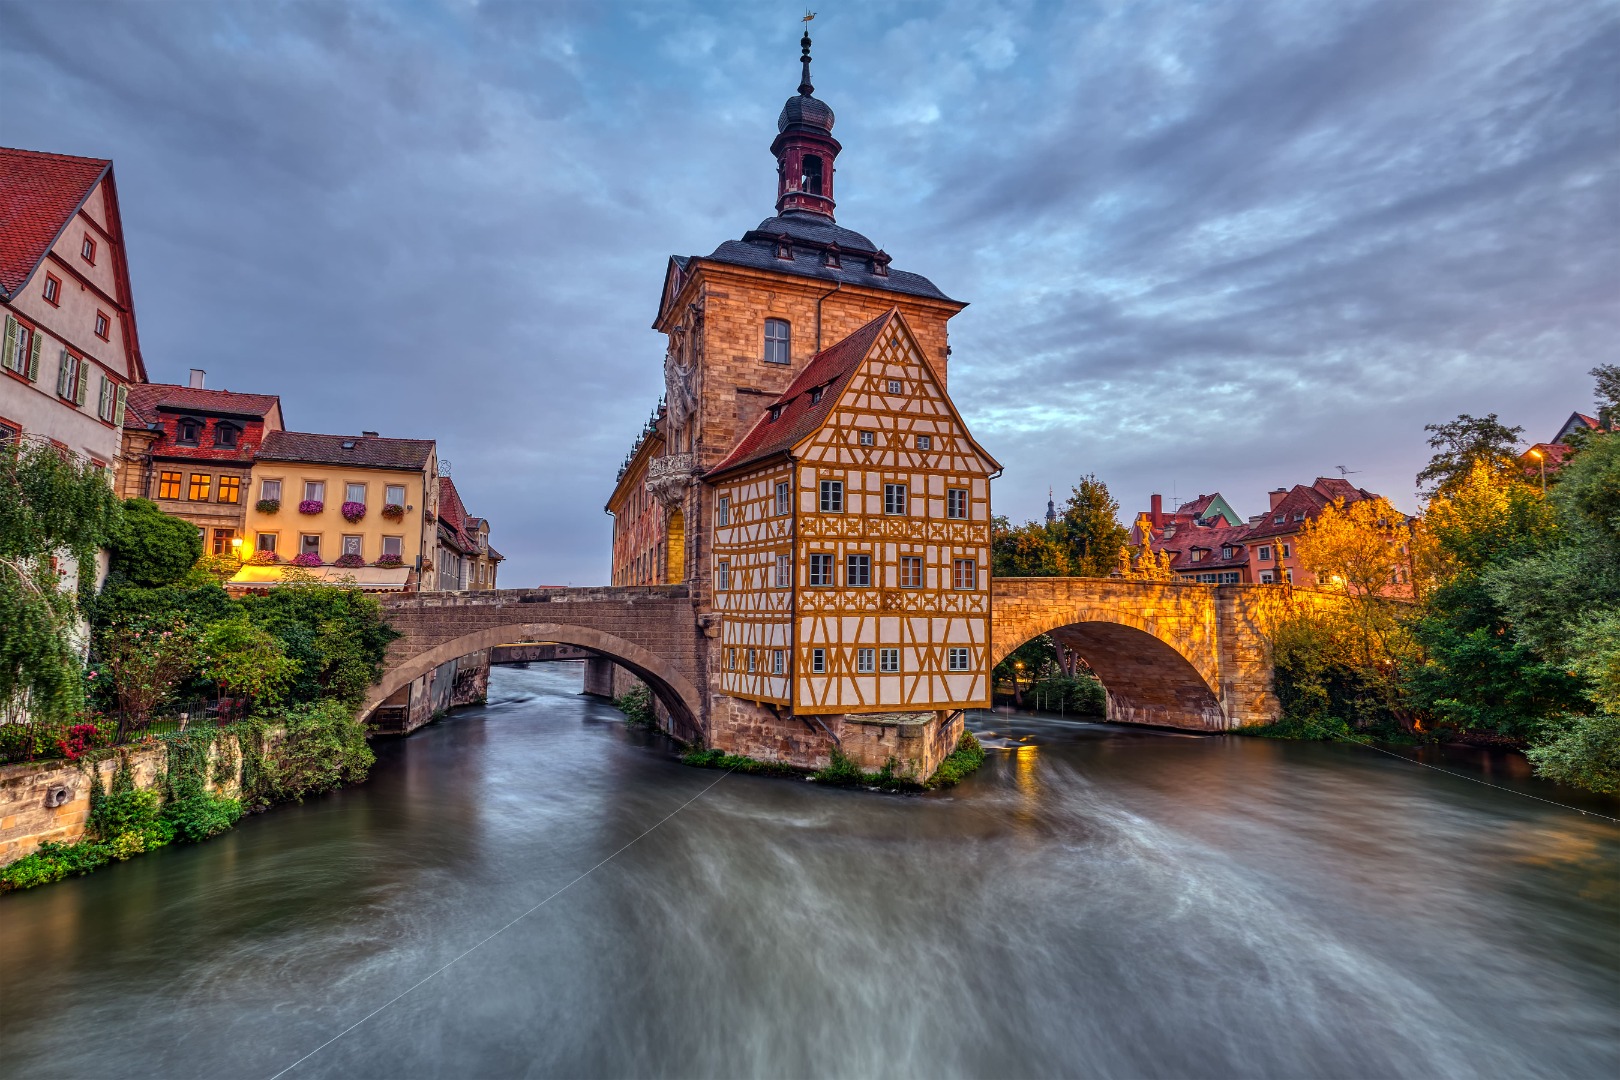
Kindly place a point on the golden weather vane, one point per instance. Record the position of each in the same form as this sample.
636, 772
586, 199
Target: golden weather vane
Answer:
808, 15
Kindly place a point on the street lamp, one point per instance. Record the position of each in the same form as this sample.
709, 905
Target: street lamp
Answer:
1539, 456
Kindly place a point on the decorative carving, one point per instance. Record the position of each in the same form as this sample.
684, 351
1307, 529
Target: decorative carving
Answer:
683, 375
668, 478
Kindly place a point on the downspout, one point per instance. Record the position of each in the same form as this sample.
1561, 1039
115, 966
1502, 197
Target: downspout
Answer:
819, 299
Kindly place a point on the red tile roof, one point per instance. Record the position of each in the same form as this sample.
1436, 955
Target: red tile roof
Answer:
365, 450
799, 416
147, 398
39, 194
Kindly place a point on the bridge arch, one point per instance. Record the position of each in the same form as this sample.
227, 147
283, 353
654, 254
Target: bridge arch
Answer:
665, 679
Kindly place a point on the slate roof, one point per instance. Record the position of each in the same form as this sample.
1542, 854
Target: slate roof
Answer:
39, 194
831, 369
811, 237
146, 399
367, 451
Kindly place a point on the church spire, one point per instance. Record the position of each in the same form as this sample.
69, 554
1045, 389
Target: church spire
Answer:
806, 88
804, 148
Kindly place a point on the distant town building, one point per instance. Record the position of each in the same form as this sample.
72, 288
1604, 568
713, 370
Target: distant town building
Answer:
466, 562
645, 552
191, 449
1546, 458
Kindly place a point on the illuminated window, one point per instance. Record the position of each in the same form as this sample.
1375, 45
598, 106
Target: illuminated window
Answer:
858, 571
911, 567
230, 489
199, 487
168, 485
964, 574
958, 660
832, 496
956, 502
889, 660
222, 541
894, 498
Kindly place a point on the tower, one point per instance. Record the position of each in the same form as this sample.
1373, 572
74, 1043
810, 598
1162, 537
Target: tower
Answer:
805, 149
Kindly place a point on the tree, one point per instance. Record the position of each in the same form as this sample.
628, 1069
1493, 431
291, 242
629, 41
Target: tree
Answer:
51, 506
1091, 529
1030, 550
1464, 443
335, 633
150, 547
246, 661
145, 661
1607, 394
1359, 546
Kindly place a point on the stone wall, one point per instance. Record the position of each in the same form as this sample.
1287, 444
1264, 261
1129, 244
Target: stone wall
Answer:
26, 821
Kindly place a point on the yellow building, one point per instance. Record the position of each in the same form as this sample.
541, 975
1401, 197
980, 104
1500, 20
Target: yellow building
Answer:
343, 506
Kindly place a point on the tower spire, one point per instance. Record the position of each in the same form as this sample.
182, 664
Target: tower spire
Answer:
804, 147
806, 88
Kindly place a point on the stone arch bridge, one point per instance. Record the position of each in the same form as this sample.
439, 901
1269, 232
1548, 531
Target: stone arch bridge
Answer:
1170, 654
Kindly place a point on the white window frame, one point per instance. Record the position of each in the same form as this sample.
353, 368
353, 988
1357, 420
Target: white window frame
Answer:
832, 497
319, 486
784, 571
964, 570
889, 661
722, 510
865, 661
722, 574
784, 498
348, 493
818, 661
956, 503
865, 438
266, 487
894, 500
959, 660
779, 662
925, 442
821, 570
778, 341
858, 571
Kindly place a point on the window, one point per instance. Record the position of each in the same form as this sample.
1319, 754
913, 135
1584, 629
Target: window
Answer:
1286, 552
815, 395
821, 570
351, 545
964, 574
1265, 552
1265, 577
315, 490
354, 493
750, 661
68, 376
226, 435
103, 325
894, 386
925, 442
53, 290
199, 487
784, 498
110, 405
865, 438
832, 496
270, 489
778, 341
1278, 520
810, 179
722, 574
865, 661
858, 571
784, 571
87, 250
911, 571
779, 662
19, 345
230, 489
394, 545
1226, 551
394, 495
222, 541
1299, 515
818, 661
722, 510
894, 498
889, 660
957, 660
309, 544
168, 485
188, 431
9, 432
731, 659
266, 542
956, 502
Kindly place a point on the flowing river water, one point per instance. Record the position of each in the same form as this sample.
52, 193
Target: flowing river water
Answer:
1097, 901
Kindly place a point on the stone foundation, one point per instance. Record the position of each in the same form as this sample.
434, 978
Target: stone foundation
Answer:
915, 742
462, 681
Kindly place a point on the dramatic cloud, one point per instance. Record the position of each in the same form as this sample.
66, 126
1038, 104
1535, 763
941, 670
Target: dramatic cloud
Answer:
1208, 245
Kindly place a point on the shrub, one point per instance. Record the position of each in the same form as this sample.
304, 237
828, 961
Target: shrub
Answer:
201, 816
149, 547
311, 506
719, 759
353, 511
349, 561
964, 760
637, 706
322, 747
267, 506
393, 512
80, 739
53, 862
306, 558
389, 560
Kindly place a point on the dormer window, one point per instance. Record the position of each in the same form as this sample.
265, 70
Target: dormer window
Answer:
784, 247
831, 258
778, 341
776, 413
1226, 551
188, 431
810, 176
815, 395
227, 435
880, 264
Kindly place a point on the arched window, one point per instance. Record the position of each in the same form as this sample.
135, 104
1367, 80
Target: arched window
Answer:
778, 341
810, 181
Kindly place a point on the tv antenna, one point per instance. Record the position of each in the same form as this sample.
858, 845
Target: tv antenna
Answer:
1344, 472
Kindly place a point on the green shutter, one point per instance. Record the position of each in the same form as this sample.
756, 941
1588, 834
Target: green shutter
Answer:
84, 379
104, 402
9, 350
33, 359
62, 376
118, 410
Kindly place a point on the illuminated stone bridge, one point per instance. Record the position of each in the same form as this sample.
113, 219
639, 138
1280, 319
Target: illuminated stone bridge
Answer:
1169, 654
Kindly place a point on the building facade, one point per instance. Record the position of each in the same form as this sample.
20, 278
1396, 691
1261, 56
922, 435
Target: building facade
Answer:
466, 562
810, 481
191, 450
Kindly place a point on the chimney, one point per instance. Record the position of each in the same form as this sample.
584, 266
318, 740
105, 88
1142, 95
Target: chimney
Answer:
1158, 511
368, 435
197, 376
1277, 496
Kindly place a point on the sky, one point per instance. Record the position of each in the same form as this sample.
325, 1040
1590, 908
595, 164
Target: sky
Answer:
1208, 246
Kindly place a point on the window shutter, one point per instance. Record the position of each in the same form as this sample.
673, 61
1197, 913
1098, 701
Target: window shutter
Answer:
104, 402
8, 350
118, 409
78, 394
33, 359
62, 376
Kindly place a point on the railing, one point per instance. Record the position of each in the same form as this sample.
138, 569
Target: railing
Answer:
28, 740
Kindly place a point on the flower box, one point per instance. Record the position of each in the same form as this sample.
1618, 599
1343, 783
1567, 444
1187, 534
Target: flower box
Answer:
349, 561
390, 560
353, 511
265, 558
393, 512
268, 506
311, 506
306, 558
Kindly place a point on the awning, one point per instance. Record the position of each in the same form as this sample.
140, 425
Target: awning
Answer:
369, 578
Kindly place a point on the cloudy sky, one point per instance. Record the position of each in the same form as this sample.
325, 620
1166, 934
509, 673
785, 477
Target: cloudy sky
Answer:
1208, 245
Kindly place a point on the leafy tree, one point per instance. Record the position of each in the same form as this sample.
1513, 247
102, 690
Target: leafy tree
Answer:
247, 661
1030, 550
51, 506
1091, 529
145, 661
1607, 393
150, 547
1360, 545
1464, 443
336, 634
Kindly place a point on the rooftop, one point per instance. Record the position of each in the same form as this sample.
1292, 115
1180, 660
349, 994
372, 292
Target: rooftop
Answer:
371, 451
39, 194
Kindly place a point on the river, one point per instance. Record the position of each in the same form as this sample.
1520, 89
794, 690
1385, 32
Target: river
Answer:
1097, 901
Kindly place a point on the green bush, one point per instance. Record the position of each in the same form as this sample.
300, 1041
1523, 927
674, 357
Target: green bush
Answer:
151, 548
1583, 751
53, 862
201, 816
322, 747
637, 706
960, 763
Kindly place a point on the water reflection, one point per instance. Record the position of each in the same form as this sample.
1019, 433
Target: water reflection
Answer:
1097, 901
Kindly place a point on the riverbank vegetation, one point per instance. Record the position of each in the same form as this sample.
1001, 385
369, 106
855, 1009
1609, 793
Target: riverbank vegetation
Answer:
841, 771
